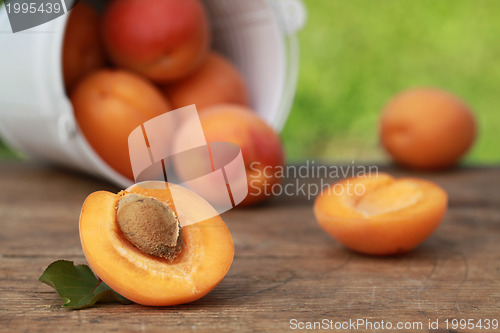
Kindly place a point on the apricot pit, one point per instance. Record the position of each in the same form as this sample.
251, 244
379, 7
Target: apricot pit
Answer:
150, 225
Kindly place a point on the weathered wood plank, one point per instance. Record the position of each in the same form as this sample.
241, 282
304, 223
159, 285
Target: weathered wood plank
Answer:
285, 266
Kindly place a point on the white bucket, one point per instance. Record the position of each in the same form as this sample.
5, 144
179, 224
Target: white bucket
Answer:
36, 116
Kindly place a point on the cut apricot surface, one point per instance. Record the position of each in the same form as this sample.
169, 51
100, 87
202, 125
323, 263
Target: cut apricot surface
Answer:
205, 258
380, 215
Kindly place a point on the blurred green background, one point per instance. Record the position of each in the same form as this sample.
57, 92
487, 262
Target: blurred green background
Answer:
356, 54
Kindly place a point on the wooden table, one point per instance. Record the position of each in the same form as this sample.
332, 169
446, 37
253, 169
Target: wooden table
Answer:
285, 266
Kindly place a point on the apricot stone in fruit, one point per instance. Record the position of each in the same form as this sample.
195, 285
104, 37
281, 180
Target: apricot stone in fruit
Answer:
207, 247
150, 225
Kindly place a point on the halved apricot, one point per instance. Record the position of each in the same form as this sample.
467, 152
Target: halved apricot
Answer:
380, 215
204, 259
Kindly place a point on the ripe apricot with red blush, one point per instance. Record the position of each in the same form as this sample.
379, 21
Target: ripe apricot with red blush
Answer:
261, 150
164, 40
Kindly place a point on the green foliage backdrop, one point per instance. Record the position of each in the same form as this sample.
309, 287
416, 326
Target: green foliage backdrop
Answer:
356, 54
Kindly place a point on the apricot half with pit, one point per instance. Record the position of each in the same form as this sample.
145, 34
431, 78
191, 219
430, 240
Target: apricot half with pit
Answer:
148, 250
380, 215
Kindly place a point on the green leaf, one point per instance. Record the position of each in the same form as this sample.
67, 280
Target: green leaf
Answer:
78, 286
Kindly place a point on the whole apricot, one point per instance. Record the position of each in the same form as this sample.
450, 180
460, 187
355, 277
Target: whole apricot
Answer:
260, 145
379, 215
217, 81
427, 129
163, 40
108, 106
138, 244
83, 51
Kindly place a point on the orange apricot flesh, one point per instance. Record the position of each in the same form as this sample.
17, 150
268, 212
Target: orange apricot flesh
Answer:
205, 258
380, 215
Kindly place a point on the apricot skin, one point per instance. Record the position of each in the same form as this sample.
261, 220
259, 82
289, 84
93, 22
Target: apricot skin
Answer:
217, 81
83, 51
260, 145
164, 40
204, 260
108, 105
395, 230
427, 129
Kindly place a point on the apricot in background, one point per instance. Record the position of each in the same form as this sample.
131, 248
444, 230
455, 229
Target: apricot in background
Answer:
83, 51
427, 129
163, 40
190, 258
379, 215
217, 81
260, 145
108, 106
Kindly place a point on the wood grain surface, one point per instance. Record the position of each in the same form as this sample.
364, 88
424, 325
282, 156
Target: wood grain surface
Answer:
285, 266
